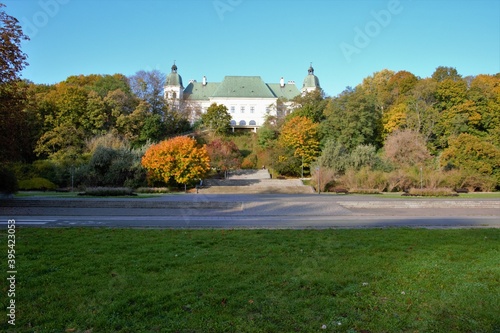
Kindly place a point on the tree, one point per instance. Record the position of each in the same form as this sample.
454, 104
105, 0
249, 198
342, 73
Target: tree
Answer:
310, 105
352, 119
179, 159
406, 148
14, 121
12, 59
300, 134
217, 119
224, 155
148, 86
446, 73
468, 152
334, 157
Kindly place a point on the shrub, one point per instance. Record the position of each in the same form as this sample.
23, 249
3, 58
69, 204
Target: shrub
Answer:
365, 191
364, 179
431, 192
8, 181
37, 184
152, 190
108, 191
249, 162
327, 179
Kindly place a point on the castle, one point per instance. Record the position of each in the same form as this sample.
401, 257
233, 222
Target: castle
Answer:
248, 98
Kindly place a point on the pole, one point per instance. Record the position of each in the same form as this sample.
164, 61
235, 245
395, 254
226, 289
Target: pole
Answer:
421, 178
302, 172
319, 179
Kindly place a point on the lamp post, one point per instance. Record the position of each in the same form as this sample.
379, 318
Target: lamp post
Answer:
302, 167
319, 179
421, 178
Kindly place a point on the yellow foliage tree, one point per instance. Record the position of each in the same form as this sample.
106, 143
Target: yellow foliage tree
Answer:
179, 159
301, 135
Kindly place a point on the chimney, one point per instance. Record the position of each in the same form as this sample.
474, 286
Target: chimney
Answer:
204, 81
282, 82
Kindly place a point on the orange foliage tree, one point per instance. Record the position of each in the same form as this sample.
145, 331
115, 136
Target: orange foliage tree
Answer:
179, 159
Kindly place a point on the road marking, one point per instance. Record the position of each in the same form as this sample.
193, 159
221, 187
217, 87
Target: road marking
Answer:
30, 222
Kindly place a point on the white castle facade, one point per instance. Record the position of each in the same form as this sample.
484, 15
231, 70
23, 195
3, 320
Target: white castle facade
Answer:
248, 98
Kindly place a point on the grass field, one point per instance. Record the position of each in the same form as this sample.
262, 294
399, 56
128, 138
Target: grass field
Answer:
377, 280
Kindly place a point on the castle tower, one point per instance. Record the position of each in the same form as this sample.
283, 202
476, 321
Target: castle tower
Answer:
173, 90
311, 82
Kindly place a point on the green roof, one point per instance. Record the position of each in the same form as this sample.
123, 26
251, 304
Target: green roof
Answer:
288, 92
174, 79
243, 87
311, 81
197, 91
239, 87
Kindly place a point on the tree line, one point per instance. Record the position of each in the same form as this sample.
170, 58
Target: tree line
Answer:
392, 132
395, 131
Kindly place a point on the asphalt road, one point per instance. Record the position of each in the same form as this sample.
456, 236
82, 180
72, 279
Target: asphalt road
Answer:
252, 211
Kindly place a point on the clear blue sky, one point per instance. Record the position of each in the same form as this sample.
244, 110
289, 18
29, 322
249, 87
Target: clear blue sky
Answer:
346, 40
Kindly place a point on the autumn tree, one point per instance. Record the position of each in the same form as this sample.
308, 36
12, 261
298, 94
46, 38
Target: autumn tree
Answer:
470, 153
300, 134
224, 155
180, 160
13, 121
446, 73
217, 119
406, 148
12, 58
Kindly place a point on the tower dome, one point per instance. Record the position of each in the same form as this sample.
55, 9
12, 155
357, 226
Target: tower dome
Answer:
173, 91
311, 81
174, 79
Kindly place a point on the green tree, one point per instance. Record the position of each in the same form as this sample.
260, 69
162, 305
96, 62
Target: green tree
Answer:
446, 73
217, 119
310, 105
335, 157
352, 119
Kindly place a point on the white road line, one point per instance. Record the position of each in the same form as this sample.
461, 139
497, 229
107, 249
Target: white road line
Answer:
30, 222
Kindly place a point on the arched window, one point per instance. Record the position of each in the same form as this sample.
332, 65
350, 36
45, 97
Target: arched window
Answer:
253, 123
243, 123
233, 122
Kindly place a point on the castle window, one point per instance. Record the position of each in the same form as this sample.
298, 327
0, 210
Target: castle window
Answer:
242, 109
252, 109
233, 109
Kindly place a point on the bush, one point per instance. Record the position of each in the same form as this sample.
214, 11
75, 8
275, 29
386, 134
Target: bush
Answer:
8, 181
108, 191
365, 191
152, 190
327, 179
249, 162
364, 179
114, 167
431, 192
37, 184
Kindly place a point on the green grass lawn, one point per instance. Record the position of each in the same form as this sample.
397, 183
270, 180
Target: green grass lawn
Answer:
376, 280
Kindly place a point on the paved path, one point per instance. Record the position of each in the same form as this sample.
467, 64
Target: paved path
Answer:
254, 181
253, 211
